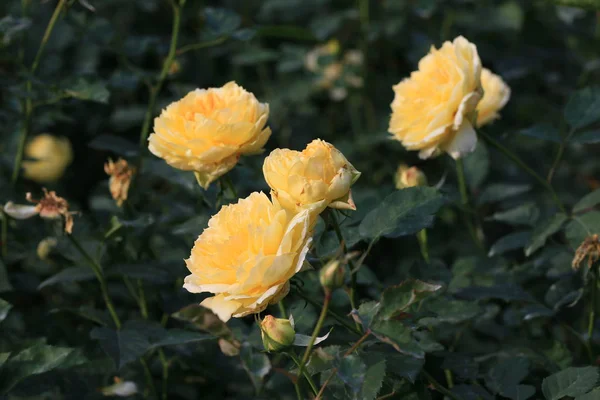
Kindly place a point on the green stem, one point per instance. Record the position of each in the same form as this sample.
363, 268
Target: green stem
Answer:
142, 297
201, 45
315, 333
97, 268
165, 373
464, 197
514, 158
592, 314
282, 311
4, 237
559, 154
148, 375
28, 101
439, 387
306, 374
332, 313
155, 90
422, 238
338, 232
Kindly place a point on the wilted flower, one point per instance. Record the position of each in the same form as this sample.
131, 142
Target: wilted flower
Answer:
247, 255
47, 157
496, 94
431, 110
120, 178
315, 178
120, 388
277, 333
50, 206
590, 248
334, 71
209, 129
409, 177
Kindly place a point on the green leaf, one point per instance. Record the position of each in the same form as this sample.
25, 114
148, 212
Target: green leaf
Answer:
5, 307
504, 378
405, 366
583, 107
92, 91
398, 336
122, 346
570, 382
472, 392
588, 201
351, 370
72, 274
591, 136
524, 214
587, 4
449, 311
113, 143
593, 395
543, 231
286, 32
5, 285
35, 360
543, 131
477, 166
505, 291
173, 337
581, 227
404, 212
373, 380
512, 241
397, 299
501, 191
220, 21
11, 27
257, 365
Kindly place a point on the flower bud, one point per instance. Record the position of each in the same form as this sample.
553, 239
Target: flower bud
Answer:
409, 177
45, 248
277, 333
332, 275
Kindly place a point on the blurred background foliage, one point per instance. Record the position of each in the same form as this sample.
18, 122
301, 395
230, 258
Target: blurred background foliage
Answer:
326, 68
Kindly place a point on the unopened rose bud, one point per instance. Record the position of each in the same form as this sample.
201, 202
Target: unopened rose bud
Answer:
45, 248
277, 333
332, 275
409, 177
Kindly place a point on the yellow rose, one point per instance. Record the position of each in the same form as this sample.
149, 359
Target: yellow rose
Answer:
50, 156
247, 255
432, 108
317, 177
496, 94
209, 129
409, 177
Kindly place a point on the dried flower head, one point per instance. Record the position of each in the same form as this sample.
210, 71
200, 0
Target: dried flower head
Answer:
120, 178
52, 206
589, 248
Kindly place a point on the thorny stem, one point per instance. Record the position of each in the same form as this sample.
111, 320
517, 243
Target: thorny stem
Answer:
28, 101
155, 90
338, 232
306, 374
514, 158
97, 268
464, 197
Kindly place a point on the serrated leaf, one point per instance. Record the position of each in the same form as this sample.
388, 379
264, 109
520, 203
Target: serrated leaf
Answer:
365, 313
5, 307
398, 336
583, 107
544, 131
173, 337
122, 346
524, 214
373, 381
85, 90
588, 201
397, 299
257, 365
405, 366
449, 311
351, 370
543, 231
512, 241
571, 382
404, 212
581, 227
35, 360
72, 274
504, 377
